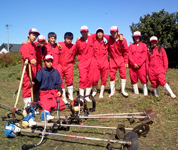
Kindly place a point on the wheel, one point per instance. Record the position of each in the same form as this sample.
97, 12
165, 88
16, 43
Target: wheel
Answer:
141, 130
120, 131
133, 138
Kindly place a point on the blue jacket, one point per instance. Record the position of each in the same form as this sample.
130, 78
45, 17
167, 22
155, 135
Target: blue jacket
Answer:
48, 79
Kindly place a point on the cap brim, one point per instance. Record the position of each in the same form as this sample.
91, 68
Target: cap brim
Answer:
34, 32
48, 59
113, 30
136, 35
99, 30
41, 40
154, 40
83, 30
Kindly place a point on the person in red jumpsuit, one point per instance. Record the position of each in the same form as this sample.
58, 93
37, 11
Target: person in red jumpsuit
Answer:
137, 63
28, 51
40, 44
52, 48
66, 62
118, 59
157, 67
49, 82
101, 64
40, 49
84, 50
41, 52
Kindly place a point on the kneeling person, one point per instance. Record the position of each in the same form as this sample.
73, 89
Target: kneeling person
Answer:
50, 88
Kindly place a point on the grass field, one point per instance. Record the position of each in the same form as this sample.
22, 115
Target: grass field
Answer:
162, 135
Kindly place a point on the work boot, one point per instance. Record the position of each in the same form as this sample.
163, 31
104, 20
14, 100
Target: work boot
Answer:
155, 90
27, 101
81, 93
50, 117
167, 87
123, 83
70, 92
145, 89
94, 90
87, 93
47, 116
31, 123
112, 88
101, 91
135, 88
64, 96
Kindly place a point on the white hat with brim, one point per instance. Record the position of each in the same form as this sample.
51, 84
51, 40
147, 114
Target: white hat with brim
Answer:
99, 29
153, 38
33, 30
41, 38
84, 28
47, 57
137, 33
114, 28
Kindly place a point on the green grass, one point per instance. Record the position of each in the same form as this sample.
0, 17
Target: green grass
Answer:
162, 135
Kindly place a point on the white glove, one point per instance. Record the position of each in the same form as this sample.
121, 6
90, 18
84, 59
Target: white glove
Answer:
105, 40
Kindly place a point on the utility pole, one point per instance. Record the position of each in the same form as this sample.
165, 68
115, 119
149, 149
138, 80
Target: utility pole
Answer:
7, 37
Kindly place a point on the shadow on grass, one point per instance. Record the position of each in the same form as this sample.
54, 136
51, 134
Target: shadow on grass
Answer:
96, 145
64, 141
8, 115
31, 136
97, 133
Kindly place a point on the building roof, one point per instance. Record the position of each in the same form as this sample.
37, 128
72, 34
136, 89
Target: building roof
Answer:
12, 47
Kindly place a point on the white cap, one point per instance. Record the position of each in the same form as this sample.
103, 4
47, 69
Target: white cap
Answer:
153, 38
84, 28
41, 38
47, 57
136, 33
33, 30
114, 28
99, 29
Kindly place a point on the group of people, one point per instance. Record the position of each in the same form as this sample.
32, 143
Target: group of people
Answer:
98, 55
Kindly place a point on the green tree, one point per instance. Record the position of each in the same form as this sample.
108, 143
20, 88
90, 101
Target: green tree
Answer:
161, 24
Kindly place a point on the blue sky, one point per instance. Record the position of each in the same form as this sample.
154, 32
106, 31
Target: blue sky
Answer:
62, 16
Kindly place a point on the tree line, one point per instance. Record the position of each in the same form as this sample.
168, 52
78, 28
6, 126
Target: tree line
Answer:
164, 25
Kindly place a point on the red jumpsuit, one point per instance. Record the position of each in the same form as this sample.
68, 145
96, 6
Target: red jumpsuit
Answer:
30, 52
138, 55
84, 49
54, 51
66, 62
48, 81
48, 100
101, 64
118, 57
41, 53
157, 67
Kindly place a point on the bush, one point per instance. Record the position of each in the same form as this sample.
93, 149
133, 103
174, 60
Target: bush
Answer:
17, 58
10, 59
5, 59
